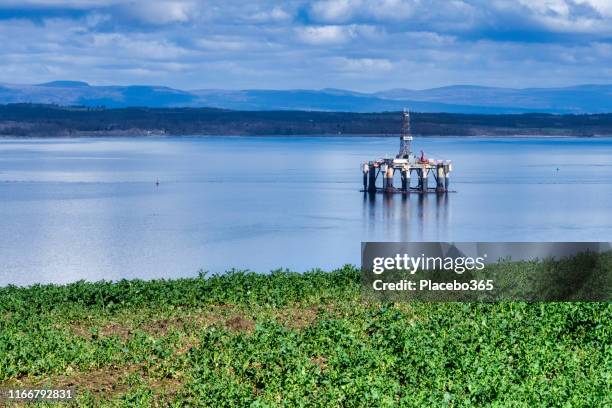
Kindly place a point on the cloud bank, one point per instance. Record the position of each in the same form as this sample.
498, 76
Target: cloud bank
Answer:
355, 44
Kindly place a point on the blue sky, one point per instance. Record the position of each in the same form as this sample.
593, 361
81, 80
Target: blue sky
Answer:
350, 44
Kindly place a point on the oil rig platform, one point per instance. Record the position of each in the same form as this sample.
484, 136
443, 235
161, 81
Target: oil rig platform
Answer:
407, 164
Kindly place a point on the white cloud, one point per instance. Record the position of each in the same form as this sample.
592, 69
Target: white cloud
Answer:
337, 34
603, 7
274, 15
361, 65
162, 12
565, 8
338, 11
564, 16
325, 35
342, 11
78, 5
135, 47
221, 43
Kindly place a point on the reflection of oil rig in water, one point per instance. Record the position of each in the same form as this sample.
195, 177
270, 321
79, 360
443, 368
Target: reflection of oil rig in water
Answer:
406, 163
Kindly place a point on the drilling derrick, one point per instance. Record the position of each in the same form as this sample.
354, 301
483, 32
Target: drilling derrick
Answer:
405, 137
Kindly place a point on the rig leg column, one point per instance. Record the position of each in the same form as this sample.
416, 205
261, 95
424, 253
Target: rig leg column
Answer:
372, 177
440, 179
424, 174
383, 171
447, 170
389, 178
405, 178
366, 169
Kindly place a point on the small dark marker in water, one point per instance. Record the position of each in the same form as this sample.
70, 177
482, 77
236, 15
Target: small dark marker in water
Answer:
157, 182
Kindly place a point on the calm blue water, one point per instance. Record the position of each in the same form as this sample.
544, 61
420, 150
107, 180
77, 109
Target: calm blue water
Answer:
89, 208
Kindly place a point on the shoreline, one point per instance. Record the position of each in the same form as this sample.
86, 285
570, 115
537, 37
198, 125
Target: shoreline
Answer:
197, 136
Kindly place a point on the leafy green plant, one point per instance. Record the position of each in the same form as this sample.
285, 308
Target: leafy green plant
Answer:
289, 339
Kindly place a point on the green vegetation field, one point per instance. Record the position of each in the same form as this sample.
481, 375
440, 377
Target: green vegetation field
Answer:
289, 339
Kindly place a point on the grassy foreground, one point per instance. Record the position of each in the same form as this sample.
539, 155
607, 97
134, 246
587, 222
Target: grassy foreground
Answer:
291, 339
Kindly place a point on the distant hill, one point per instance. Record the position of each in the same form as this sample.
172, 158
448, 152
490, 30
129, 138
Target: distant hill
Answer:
53, 121
575, 99
451, 99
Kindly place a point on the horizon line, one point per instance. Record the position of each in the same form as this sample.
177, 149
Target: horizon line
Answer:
459, 85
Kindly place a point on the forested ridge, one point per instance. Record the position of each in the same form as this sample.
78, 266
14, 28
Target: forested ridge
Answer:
37, 120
